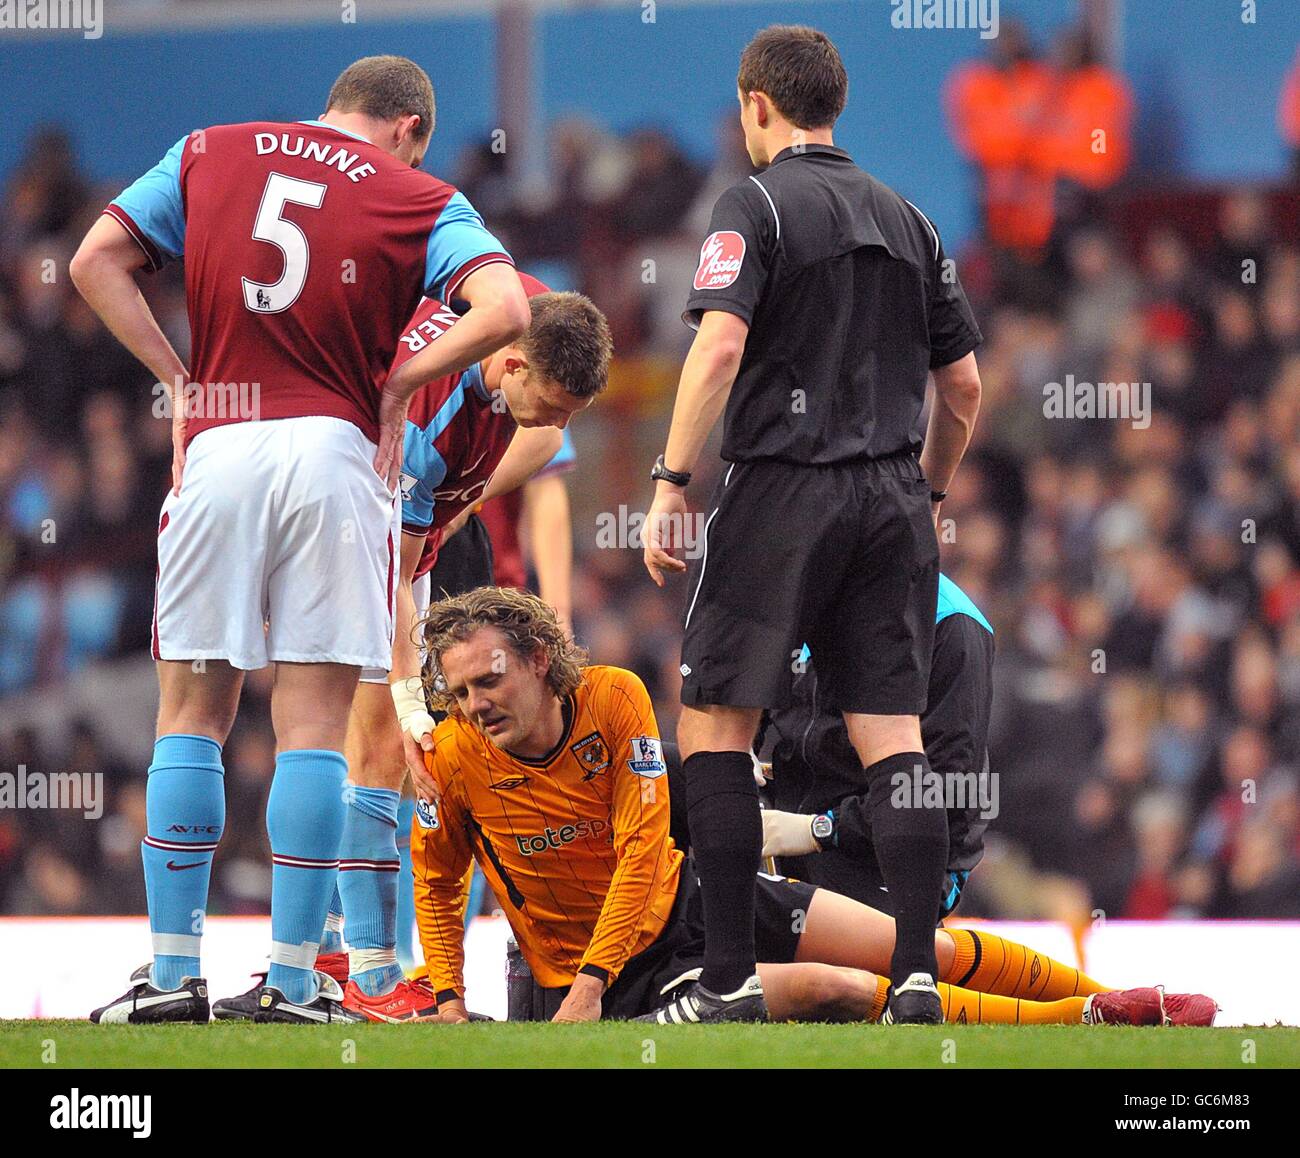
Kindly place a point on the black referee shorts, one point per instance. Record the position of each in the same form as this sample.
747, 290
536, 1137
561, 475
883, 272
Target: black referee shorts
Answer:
842, 557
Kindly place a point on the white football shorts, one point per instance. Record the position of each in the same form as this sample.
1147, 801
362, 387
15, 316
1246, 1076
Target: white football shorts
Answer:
281, 547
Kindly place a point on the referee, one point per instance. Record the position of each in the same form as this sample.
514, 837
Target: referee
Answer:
822, 301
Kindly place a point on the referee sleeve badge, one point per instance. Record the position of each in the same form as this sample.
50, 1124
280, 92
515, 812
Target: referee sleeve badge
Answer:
647, 758
721, 257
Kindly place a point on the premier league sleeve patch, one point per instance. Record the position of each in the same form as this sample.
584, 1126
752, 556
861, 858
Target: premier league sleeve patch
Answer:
647, 757
426, 812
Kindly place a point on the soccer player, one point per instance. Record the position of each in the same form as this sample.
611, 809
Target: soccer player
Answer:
551, 776
823, 301
307, 247
484, 431
820, 826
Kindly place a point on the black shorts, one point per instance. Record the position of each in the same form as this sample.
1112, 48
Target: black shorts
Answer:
677, 955
464, 562
843, 558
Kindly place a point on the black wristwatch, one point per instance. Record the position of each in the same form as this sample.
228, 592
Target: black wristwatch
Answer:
679, 478
938, 496
823, 829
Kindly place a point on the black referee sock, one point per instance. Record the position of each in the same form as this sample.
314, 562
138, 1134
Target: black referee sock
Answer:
727, 839
911, 843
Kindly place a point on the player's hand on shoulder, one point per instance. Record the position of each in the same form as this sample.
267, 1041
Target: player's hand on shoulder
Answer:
416, 726
662, 533
421, 777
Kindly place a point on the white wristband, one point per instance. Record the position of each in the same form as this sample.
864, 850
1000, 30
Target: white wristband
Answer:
412, 713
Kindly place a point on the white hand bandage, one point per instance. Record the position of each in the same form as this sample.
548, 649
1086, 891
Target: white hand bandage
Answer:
788, 834
412, 713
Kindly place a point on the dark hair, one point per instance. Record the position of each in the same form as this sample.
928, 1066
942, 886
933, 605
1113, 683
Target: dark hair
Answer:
385, 87
568, 341
801, 70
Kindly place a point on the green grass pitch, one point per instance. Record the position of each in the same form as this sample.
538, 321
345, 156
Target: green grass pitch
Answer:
76, 1045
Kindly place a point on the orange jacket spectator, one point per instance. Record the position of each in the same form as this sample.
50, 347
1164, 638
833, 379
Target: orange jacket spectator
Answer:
1288, 107
999, 119
1092, 130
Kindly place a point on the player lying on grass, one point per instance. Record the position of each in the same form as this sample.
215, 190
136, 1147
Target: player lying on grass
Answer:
820, 828
551, 776
470, 435
820, 825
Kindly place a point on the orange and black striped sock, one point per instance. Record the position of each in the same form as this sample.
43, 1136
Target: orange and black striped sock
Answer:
967, 1007
988, 963
880, 1000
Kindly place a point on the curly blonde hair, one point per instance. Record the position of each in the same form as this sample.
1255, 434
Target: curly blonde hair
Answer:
525, 621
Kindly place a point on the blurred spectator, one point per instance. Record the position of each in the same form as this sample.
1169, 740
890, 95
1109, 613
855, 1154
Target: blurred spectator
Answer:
1089, 126
1288, 114
999, 111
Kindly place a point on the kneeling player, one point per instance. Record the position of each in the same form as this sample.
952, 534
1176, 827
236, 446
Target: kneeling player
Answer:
468, 436
551, 775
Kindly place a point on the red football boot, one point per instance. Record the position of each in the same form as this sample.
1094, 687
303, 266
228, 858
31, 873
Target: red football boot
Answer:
408, 1001
1125, 1007
1190, 1009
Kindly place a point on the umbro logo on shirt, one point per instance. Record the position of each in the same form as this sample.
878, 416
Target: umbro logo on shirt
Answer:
508, 783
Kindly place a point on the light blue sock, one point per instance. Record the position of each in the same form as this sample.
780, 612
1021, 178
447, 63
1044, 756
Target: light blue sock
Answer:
332, 939
368, 871
405, 886
185, 808
304, 819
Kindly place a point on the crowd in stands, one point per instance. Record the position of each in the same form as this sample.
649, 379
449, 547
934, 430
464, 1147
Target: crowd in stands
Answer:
1142, 571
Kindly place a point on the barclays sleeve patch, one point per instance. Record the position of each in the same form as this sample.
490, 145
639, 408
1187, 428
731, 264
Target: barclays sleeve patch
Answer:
647, 758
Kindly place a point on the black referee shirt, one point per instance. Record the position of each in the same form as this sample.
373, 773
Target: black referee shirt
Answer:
850, 301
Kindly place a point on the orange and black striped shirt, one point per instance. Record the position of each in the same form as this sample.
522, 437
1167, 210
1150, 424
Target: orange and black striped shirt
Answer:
575, 844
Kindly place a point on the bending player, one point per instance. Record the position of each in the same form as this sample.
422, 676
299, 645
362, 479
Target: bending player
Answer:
276, 544
551, 776
479, 433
